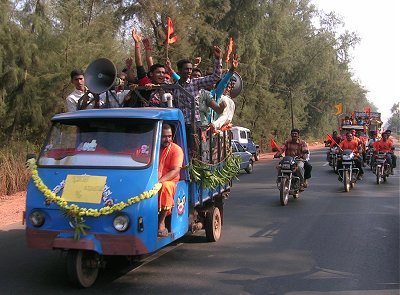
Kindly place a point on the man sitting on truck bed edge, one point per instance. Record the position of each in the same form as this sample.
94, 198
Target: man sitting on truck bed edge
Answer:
170, 164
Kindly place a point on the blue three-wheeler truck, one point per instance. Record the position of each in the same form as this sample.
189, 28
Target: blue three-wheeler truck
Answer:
93, 190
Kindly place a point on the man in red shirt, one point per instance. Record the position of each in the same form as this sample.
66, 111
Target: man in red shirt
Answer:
385, 145
350, 144
170, 164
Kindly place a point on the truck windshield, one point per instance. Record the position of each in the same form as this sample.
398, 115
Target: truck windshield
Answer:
99, 143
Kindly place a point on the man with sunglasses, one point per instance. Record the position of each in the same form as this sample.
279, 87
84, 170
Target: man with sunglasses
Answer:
351, 144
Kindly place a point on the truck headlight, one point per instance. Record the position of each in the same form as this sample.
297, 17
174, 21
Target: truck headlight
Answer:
36, 218
121, 222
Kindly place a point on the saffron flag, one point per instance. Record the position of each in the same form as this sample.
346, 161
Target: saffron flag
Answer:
368, 111
230, 48
328, 137
170, 31
339, 109
274, 146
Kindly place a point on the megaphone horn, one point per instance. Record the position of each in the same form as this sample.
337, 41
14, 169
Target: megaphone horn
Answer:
235, 91
101, 75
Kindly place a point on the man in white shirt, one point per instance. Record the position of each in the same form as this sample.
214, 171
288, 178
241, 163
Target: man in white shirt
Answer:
115, 98
78, 80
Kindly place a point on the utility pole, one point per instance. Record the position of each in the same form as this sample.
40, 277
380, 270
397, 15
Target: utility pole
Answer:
291, 108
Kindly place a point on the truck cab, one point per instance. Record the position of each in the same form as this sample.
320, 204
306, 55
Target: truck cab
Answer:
243, 136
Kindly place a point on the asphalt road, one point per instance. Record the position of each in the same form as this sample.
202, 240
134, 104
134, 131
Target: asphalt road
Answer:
327, 242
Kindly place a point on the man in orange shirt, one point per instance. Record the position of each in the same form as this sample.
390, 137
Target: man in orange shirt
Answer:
350, 144
394, 158
170, 164
385, 145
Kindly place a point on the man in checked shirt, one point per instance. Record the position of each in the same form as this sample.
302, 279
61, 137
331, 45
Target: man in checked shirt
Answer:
296, 147
193, 86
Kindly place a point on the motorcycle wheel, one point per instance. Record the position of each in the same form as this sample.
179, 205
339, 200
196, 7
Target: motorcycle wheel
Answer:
378, 175
346, 180
284, 191
335, 166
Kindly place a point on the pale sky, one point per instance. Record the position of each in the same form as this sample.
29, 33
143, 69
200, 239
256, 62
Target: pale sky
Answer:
376, 61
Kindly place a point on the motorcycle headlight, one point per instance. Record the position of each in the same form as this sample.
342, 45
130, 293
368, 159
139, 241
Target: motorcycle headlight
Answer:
286, 166
121, 222
36, 218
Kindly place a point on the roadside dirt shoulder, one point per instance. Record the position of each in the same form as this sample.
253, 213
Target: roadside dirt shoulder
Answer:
12, 208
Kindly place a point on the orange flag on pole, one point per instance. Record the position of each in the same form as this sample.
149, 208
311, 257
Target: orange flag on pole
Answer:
339, 109
170, 31
328, 137
274, 145
230, 48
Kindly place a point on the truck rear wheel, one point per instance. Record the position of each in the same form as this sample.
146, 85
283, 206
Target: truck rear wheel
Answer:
213, 224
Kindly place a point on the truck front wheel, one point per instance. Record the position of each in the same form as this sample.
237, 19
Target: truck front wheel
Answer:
82, 267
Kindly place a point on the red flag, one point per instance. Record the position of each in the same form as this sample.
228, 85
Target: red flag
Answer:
274, 145
170, 32
367, 110
328, 137
230, 48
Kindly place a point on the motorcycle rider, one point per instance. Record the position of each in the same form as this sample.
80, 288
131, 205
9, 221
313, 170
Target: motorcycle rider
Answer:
351, 144
385, 146
295, 147
363, 145
370, 146
337, 139
394, 158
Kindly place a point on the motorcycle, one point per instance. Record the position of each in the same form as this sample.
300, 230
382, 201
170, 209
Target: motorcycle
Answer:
287, 182
333, 153
349, 173
381, 167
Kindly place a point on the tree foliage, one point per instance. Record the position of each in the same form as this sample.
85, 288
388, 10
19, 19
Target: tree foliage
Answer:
394, 120
288, 63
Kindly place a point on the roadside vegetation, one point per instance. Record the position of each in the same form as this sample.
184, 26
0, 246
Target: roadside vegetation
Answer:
13, 173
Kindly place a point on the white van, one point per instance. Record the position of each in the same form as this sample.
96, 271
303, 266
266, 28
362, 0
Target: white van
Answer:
243, 136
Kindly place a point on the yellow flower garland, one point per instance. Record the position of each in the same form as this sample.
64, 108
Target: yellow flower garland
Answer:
74, 210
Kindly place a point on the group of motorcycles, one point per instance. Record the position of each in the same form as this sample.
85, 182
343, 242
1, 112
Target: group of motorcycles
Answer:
289, 183
349, 173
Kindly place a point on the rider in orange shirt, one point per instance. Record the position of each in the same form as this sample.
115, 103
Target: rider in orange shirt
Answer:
385, 145
351, 144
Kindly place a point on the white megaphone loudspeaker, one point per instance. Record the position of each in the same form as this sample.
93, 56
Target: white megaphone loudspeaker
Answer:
101, 75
